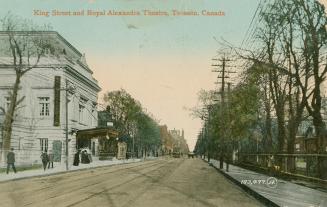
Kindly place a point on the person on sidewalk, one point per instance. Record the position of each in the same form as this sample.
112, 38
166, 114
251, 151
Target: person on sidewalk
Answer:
84, 157
50, 159
11, 160
45, 159
76, 158
89, 157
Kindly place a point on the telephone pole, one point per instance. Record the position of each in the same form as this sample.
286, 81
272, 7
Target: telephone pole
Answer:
222, 75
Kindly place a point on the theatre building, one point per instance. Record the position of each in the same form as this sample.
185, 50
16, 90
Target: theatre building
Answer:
60, 85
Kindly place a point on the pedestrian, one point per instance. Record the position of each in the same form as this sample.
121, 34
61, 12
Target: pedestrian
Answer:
50, 156
76, 158
82, 156
11, 160
85, 157
45, 159
89, 157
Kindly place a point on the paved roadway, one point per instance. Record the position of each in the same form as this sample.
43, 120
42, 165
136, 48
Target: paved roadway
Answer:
161, 183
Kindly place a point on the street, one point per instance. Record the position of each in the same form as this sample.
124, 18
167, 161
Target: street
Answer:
163, 182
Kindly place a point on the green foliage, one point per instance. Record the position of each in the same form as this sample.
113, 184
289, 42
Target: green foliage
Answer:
148, 131
233, 121
123, 108
130, 119
243, 109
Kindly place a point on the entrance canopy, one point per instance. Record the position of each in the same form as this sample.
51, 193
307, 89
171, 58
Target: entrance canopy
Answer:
84, 138
97, 132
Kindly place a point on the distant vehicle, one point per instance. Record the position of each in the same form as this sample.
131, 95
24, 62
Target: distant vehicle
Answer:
191, 154
176, 154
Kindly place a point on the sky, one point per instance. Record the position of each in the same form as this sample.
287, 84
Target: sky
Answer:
161, 61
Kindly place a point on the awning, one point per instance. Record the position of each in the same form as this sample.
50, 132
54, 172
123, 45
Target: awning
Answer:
97, 132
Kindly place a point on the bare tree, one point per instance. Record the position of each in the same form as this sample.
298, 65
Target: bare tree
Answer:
271, 65
21, 50
295, 50
294, 37
312, 19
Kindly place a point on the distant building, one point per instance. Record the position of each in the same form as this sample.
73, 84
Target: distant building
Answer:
40, 123
179, 142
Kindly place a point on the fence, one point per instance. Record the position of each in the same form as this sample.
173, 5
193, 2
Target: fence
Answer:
303, 164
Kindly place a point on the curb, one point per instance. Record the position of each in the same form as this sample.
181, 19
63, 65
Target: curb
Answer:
69, 171
247, 189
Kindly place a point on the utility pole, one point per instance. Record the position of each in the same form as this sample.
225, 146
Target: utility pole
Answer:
222, 75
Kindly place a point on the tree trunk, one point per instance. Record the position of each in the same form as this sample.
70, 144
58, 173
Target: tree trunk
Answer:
9, 117
268, 135
281, 128
268, 145
281, 133
320, 128
290, 150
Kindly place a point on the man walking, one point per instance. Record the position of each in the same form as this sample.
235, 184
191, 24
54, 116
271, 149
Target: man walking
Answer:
11, 160
45, 159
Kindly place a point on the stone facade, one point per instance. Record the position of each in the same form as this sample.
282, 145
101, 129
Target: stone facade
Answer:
179, 142
40, 120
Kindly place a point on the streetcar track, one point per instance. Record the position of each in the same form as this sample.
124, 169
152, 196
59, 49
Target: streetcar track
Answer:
167, 182
162, 184
101, 181
75, 185
115, 186
85, 175
146, 189
92, 175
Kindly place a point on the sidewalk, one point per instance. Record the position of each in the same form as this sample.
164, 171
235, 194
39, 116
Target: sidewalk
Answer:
279, 192
61, 168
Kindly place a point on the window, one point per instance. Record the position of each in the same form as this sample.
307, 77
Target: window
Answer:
44, 144
93, 115
44, 104
94, 107
81, 111
7, 103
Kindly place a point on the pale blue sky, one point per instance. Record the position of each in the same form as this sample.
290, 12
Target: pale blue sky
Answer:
153, 34
163, 61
